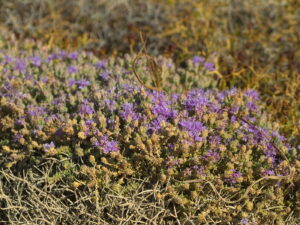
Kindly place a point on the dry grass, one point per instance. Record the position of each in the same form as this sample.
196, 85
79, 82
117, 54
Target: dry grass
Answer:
30, 197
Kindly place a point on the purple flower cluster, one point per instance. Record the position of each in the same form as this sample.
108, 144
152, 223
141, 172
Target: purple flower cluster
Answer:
212, 156
106, 145
193, 127
198, 59
37, 61
83, 83
73, 55
34, 111
102, 64
20, 66
268, 173
86, 109
72, 69
207, 65
244, 221
196, 100
128, 112
164, 111
235, 174
48, 146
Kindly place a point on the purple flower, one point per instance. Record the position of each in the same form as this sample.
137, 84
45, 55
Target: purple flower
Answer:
110, 104
209, 66
244, 221
162, 109
52, 57
110, 146
228, 93
61, 55
106, 145
20, 66
234, 110
268, 173
198, 59
85, 109
129, 87
212, 156
171, 146
83, 83
251, 106
155, 124
270, 152
20, 121
253, 94
199, 170
45, 79
36, 111
275, 134
47, 146
36, 61
128, 111
236, 174
72, 69
193, 127
57, 100
175, 97
73, 55
196, 99
71, 82
88, 123
157, 96
215, 140
101, 64
8, 59
17, 137
105, 76
278, 184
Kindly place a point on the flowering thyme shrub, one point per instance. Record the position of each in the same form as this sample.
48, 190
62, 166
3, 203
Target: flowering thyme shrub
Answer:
107, 129
256, 42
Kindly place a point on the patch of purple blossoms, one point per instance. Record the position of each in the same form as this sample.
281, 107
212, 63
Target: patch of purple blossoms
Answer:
198, 59
209, 66
86, 109
193, 127
20, 66
73, 55
48, 146
106, 145
72, 69
236, 174
128, 111
244, 221
37, 61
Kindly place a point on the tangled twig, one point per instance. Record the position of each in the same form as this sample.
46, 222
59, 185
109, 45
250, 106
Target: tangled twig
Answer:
155, 70
245, 195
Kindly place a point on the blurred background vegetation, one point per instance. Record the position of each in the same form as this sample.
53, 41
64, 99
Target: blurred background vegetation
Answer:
254, 43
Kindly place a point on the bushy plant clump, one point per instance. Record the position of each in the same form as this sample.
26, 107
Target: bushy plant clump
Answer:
108, 129
255, 44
